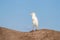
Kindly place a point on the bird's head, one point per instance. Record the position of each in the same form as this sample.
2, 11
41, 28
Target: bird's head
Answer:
33, 14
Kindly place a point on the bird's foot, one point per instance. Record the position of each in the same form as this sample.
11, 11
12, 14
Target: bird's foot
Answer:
36, 30
32, 30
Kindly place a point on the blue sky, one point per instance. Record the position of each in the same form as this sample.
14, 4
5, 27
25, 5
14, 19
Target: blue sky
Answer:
14, 14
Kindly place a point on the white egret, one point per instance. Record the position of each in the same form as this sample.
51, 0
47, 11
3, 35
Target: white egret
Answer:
34, 20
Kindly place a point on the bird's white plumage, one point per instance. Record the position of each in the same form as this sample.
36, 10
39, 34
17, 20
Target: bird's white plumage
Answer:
34, 20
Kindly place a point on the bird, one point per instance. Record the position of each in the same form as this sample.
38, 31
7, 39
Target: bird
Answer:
34, 20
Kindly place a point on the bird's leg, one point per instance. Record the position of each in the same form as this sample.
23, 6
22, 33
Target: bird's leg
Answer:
33, 28
37, 28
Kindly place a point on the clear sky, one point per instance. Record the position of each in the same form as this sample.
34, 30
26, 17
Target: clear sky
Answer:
14, 14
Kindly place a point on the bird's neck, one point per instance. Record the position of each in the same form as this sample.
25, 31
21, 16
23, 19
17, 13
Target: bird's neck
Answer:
33, 16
